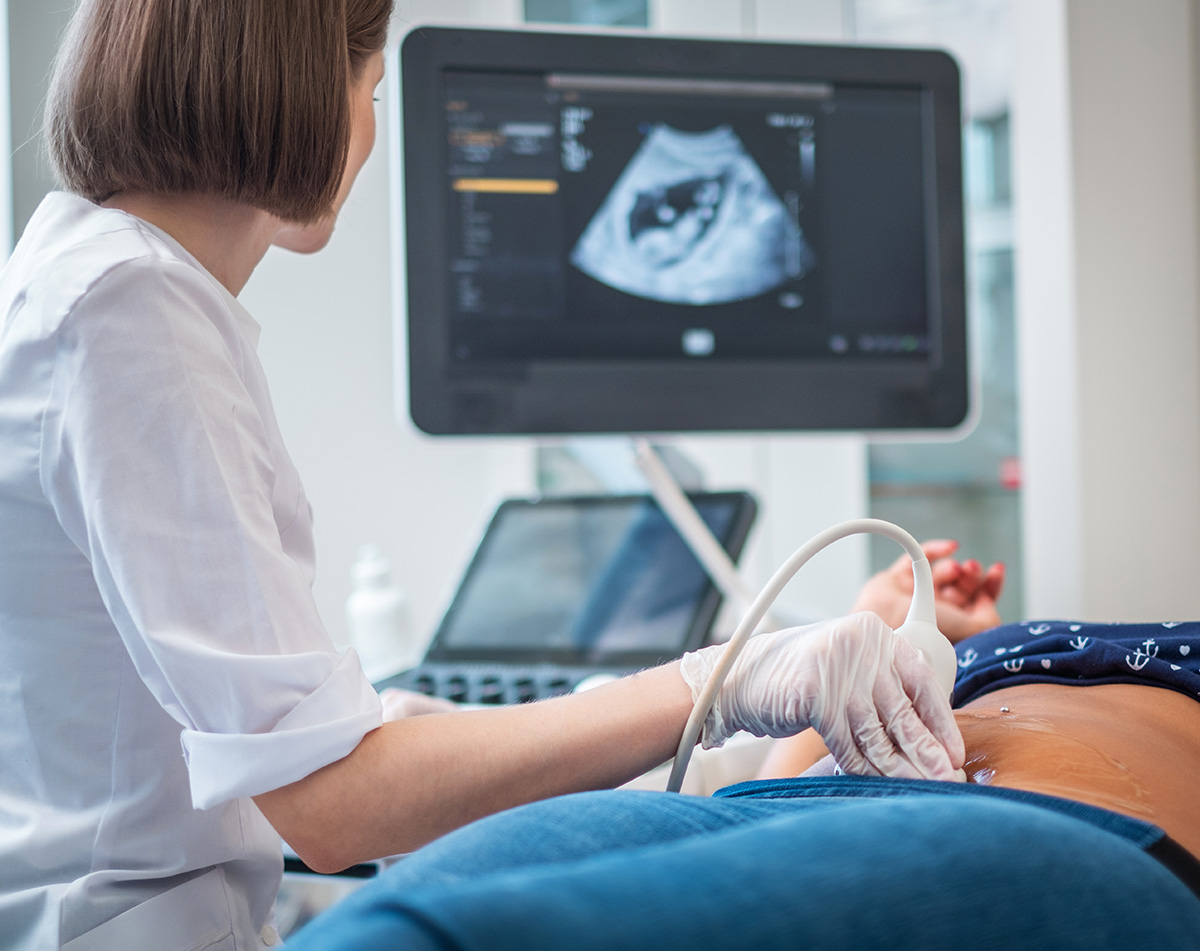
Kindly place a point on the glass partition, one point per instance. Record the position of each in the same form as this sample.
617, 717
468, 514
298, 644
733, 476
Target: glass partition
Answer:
594, 12
967, 489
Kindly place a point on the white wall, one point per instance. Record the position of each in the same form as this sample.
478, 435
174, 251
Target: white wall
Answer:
809, 20
6, 176
1105, 159
1046, 326
33, 28
327, 347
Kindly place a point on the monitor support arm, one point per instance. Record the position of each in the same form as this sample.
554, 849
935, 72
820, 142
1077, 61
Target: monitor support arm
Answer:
692, 528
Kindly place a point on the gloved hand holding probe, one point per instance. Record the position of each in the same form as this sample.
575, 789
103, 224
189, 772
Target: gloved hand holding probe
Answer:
866, 690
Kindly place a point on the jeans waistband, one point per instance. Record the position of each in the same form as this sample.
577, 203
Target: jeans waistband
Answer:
1145, 835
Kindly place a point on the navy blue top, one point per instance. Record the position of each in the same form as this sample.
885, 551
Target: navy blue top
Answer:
1071, 652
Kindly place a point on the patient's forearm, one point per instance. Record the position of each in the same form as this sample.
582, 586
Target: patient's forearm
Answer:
412, 780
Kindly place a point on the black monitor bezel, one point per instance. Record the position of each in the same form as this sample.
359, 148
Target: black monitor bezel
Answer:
575, 397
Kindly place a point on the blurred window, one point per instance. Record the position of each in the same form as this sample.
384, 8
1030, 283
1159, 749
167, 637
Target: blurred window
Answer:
968, 489
595, 12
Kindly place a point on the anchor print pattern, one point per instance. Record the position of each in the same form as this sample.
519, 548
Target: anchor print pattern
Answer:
1078, 653
1142, 657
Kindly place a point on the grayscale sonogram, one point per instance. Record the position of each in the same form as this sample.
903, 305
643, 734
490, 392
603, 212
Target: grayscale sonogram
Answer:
693, 220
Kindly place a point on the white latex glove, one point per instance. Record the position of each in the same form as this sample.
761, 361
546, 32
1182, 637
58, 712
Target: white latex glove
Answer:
867, 691
398, 704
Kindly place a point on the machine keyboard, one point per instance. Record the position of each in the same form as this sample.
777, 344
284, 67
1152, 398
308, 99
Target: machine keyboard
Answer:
488, 684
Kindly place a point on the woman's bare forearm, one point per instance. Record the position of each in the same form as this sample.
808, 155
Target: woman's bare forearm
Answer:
412, 780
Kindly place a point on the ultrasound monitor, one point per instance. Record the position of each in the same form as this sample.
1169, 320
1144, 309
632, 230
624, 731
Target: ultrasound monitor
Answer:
637, 234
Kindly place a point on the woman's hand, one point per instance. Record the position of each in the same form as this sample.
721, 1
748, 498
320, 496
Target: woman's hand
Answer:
401, 704
964, 592
867, 691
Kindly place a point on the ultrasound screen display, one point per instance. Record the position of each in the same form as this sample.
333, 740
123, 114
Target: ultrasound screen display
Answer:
618, 233
588, 579
640, 218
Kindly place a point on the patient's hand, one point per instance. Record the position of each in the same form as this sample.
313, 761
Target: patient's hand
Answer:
401, 704
965, 593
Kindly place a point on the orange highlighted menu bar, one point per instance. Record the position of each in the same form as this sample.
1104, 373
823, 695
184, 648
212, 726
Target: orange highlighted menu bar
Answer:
508, 186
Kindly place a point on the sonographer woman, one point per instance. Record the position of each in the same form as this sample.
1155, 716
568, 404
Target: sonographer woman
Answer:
168, 696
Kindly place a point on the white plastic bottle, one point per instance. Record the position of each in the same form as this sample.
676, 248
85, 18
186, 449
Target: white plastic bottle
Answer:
377, 617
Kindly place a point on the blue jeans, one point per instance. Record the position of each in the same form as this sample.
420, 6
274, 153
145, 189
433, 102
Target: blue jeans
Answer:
836, 862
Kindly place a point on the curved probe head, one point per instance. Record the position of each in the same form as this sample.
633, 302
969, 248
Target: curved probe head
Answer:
920, 627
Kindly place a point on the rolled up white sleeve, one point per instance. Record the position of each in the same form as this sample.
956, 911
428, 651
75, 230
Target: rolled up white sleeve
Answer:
321, 729
164, 463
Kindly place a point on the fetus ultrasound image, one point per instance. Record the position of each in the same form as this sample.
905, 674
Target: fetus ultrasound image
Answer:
602, 218
693, 220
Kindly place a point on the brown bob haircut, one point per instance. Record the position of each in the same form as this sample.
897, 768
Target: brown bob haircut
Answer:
248, 100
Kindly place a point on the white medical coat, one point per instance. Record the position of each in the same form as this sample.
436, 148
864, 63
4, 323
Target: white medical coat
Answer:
161, 657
